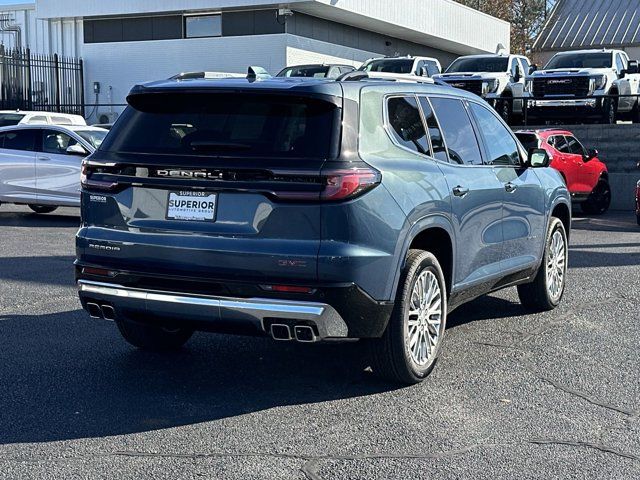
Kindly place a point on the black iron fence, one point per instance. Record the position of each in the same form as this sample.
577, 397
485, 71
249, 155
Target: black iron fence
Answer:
41, 82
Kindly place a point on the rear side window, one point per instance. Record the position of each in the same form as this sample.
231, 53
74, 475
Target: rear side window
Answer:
457, 129
18, 140
500, 146
437, 142
574, 146
227, 124
10, 119
406, 124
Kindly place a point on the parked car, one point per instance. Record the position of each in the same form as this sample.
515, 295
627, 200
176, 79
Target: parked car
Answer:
105, 126
315, 71
316, 210
40, 165
499, 79
19, 117
596, 78
411, 66
587, 178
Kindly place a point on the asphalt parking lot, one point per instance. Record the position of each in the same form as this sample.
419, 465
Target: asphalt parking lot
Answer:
554, 395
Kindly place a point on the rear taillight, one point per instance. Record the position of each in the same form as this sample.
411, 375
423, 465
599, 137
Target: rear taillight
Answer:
90, 184
348, 183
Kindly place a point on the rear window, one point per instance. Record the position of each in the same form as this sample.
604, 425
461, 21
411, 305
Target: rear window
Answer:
227, 124
389, 66
10, 119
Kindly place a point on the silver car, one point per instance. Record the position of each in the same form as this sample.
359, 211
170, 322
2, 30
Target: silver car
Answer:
40, 164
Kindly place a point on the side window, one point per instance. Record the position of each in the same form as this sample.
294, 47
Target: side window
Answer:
559, 143
437, 142
574, 146
501, 146
37, 119
525, 66
18, 140
56, 142
620, 64
432, 68
514, 67
61, 121
406, 124
419, 66
458, 132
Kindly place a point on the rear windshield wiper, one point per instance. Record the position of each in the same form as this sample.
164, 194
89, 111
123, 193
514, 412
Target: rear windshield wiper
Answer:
212, 145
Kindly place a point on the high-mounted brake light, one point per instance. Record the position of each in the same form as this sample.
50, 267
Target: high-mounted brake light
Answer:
342, 184
90, 184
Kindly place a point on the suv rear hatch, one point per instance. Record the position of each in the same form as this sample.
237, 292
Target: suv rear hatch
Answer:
212, 183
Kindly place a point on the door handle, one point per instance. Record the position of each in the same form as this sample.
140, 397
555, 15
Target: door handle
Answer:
460, 191
510, 187
44, 158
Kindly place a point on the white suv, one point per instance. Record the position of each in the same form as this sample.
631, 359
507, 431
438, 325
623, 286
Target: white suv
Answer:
20, 117
398, 66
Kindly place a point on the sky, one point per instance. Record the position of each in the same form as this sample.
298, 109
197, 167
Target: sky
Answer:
12, 2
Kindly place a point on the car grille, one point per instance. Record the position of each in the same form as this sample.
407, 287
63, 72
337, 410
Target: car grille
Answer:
473, 86
568, 86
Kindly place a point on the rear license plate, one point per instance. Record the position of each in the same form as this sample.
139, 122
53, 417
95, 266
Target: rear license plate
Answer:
193, 206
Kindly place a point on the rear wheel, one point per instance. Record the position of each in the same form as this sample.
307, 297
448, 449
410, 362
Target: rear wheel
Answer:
547, 289
599, 200
151, 337
42, 208
505, 109
408, 350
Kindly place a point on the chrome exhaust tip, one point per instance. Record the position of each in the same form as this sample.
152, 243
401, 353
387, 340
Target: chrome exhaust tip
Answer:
281, 332
94, 310
305, 334
108, 312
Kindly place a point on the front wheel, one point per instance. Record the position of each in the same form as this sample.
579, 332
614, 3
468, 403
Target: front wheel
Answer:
151, 337
609, 111
547, 289
407, 351
43, 208
505, 109
599, 200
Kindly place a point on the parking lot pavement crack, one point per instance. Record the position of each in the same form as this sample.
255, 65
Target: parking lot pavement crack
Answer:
579, 444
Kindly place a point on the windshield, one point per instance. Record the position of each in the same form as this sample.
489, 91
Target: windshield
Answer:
318, 71
389, 66
9, 119
94, 137
580, 60
479, 64
227, 124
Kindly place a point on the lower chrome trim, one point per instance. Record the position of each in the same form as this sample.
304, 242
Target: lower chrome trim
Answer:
211, 308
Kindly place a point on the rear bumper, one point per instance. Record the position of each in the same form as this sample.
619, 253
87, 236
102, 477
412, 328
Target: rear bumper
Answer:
334, 313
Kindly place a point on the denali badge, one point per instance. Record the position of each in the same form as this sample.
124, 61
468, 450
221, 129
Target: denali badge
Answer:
189, 174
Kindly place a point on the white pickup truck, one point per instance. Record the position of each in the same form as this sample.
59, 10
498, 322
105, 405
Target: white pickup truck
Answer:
585, 85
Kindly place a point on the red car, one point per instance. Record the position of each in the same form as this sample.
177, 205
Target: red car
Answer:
587, 178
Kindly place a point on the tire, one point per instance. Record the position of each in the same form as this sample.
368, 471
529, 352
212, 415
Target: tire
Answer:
393, 357
609, 111
151, 337
43, 208
505, 109
541, 295
599, 200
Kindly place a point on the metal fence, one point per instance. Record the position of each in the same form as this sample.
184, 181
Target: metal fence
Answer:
40, 82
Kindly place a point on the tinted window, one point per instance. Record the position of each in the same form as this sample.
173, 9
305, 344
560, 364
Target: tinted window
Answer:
56, 142
432, 68
227, 124
528, 140
574, 146
559, 143
203, 26
406, 124
389, 66
462, 144
479, 64
94, 137
619, 63
307, 71
18, 140
10, 119
500, 145
580, 60
439, 150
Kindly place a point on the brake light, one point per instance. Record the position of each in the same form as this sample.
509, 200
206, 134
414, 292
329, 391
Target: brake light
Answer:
287, 289
90, 184
343, 184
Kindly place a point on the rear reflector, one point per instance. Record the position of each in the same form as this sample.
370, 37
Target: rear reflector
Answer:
287, 289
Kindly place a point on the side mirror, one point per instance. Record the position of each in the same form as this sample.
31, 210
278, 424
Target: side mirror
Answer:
533, 68
623, 73
77, 149
538, 158
424, 72
591, 154
517, 75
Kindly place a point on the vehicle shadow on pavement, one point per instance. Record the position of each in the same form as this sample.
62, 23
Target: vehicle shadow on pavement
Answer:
485, 308
49, 270
74, 377
610, 222
34, 220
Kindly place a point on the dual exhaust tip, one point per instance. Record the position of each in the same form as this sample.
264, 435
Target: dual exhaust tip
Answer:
105, 311
300, 333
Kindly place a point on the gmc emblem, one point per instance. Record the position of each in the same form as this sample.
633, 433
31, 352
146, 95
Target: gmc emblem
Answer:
563, 81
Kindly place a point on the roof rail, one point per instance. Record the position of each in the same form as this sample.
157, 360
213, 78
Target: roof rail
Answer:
353, 76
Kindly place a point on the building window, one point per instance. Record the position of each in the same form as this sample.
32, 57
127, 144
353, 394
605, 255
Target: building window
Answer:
203, 26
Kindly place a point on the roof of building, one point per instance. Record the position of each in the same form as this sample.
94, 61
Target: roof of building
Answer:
575, 24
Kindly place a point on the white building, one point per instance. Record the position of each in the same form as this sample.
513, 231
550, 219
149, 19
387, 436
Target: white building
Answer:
124, 42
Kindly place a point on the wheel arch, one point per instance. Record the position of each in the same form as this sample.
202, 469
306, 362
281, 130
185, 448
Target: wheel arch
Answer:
562, 211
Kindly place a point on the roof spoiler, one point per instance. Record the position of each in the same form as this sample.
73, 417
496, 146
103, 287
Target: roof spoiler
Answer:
257, 73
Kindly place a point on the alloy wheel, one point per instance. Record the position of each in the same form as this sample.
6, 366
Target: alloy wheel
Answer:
556, 265
424, 323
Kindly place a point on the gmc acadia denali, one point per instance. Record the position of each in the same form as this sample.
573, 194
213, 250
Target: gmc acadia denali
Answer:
312, 210
603, 83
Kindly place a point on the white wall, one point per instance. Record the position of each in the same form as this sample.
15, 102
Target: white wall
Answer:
302, 50
124, 64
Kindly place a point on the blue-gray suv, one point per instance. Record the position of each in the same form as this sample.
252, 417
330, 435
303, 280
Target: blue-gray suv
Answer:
312, 210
